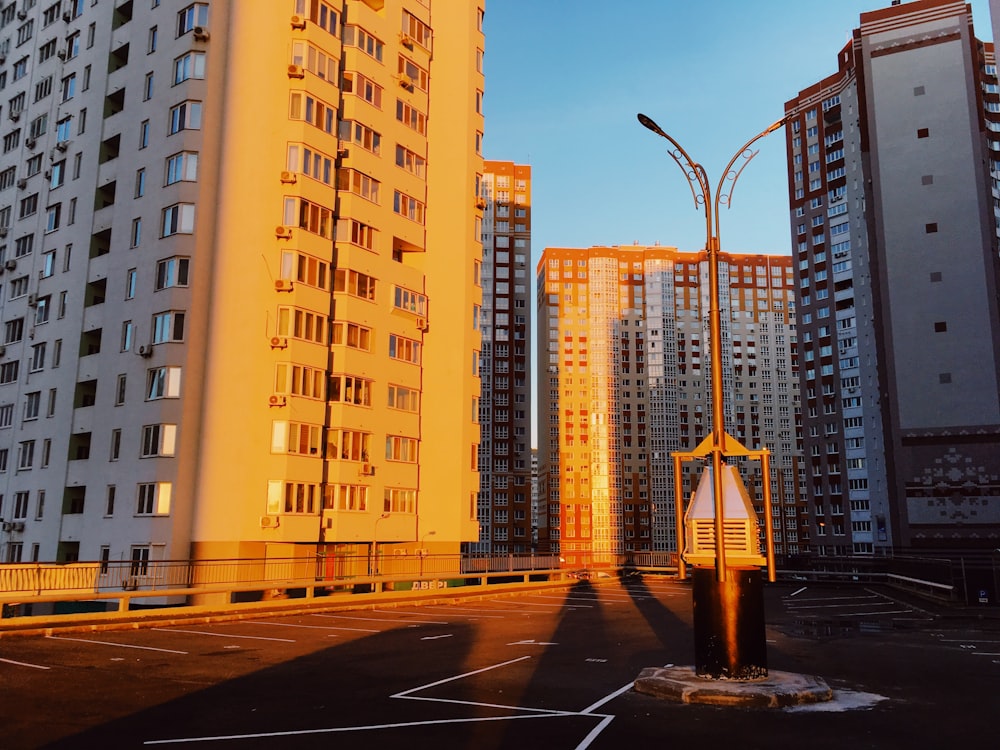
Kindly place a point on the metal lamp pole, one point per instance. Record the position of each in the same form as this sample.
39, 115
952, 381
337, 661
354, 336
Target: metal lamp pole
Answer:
726, 617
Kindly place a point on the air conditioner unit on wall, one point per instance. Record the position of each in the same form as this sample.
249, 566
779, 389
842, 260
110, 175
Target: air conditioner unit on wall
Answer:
277, 399
298, 22
283, 285
283, 232
279, 342
296, 71
269, 522
200, 33
289, 178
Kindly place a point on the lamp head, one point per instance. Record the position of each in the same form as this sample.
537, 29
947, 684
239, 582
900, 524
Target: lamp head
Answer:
647, 122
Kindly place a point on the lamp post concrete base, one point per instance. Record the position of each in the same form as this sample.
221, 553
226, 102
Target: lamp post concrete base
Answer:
777, 690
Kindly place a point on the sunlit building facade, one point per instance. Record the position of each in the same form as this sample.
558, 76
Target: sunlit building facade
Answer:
240, 263
505, 515
624, 382
894, 229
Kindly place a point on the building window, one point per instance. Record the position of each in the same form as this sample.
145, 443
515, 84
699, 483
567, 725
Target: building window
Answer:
68, 87
411, 117
403, 398
407, 206
931, 228
349, 389
168, 326
404, 349
352, 335
398, 448
316, 112
355, 36
131, 277
309, 216
357, 84
185, 116
191, 65
182, 167
348, 445
25, 454
940, 327
158, 440
178, 219
296, 437
172, 272
163, 382
356, 182
153, 498
923, 132
193, 15
292, 497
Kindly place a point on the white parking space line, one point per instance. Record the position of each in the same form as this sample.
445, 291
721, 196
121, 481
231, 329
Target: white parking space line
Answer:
381, 619
964, 640
478, 609
562, 599
222, 635
837, 598
797, 607
878, 612
497, 617
530, 604
119, 645
798, 591
418, 614
436, 637
443, 609
313, 627
24, 664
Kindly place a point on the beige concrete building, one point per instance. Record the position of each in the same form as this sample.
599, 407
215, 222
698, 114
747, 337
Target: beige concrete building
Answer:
241, 249
624, 382
505, 403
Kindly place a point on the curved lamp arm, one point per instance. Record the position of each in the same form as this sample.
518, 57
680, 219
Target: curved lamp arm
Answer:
694, 172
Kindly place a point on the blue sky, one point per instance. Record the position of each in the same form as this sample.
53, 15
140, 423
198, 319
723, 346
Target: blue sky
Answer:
565, 79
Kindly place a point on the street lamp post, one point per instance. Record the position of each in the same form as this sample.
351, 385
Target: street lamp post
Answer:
373, 556
729, 624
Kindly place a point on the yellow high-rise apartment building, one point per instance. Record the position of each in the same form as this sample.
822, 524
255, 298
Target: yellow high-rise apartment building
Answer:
260, 337
624, 382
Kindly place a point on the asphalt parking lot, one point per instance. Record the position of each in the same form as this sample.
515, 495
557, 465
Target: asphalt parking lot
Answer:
542, 670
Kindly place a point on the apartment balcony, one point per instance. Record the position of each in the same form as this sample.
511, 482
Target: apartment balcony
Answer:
103, 219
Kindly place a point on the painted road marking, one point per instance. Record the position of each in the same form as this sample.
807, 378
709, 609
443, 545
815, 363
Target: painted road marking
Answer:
530, 713
796, 608
381, 619
563, 598
313, 627
438, 623
460, 609
435, 637
532, 642
422, 622
799, 591
480, 609
119, 645
223, 635
24, 664
839, 598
